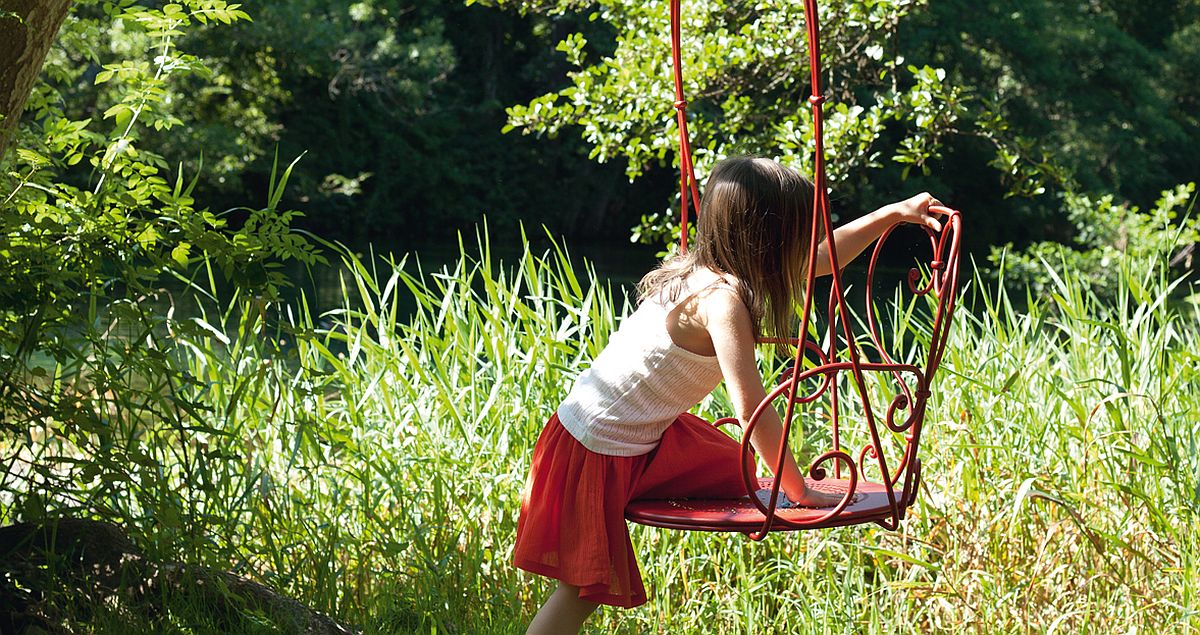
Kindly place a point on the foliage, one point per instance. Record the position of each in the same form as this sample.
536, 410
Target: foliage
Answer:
746, 76
405, 101
85, 202
1100, 87
93, 230
370, 462
304, 64
746, 86
379, 93
746, 91
402, 99
991, 101
1108, 233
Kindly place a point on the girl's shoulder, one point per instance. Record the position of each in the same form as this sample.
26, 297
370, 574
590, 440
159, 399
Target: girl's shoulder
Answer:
711, 283
686, 287
708, 302
714, 293
721, 303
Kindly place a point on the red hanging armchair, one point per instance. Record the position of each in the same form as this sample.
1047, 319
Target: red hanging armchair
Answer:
894, 435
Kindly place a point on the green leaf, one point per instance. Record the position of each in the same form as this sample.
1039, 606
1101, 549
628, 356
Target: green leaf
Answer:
148, 238
32, 158
180, 253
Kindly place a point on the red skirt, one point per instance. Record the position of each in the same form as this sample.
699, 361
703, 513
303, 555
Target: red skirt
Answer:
572, 525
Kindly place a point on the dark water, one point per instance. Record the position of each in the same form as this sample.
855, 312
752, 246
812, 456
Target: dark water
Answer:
617, 263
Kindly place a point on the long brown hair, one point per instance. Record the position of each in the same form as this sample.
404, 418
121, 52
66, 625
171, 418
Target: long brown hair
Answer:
755, 224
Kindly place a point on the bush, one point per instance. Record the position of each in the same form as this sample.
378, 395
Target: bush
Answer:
1109, 237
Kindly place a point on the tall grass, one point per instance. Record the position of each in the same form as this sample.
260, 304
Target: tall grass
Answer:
370, 463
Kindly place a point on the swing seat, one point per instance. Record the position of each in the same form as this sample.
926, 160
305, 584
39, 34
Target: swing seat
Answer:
742, 515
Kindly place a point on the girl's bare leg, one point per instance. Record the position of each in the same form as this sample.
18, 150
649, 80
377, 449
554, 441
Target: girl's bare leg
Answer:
563, 613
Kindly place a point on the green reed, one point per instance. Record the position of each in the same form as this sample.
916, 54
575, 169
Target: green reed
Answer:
370, 461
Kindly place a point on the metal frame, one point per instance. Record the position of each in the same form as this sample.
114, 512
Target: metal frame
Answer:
886, 501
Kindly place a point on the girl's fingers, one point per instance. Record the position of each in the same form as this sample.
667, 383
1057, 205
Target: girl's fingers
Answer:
929, 219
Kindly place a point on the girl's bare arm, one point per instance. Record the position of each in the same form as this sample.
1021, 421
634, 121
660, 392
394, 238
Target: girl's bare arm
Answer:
729, 326
854, 237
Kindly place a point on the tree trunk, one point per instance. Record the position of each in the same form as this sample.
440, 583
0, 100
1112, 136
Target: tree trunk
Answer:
51, 572
27, 29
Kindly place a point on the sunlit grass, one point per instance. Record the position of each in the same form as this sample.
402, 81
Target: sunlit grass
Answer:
370, 464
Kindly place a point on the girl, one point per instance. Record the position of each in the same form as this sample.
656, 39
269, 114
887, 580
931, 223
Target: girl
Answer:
623, 432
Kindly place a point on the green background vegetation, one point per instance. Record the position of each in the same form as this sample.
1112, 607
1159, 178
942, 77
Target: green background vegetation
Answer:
178, 161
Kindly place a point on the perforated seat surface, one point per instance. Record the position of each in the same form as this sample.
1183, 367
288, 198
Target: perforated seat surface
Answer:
871, 503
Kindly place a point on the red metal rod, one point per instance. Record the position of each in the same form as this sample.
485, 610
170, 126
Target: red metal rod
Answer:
687, 171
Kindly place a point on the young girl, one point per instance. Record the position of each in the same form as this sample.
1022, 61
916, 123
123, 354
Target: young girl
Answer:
623, 433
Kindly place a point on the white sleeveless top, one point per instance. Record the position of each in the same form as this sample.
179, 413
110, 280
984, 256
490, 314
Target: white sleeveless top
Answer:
638, 385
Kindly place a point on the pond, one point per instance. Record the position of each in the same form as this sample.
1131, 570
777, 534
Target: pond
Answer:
617, 263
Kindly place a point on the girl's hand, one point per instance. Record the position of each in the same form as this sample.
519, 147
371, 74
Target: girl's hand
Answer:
815, 498
916, 211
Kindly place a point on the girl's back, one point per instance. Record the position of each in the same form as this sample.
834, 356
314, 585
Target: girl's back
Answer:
659, 363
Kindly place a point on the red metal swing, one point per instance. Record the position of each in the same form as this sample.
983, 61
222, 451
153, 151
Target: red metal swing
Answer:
884, 501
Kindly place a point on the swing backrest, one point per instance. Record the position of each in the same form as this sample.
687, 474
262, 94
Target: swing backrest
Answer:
847, 376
